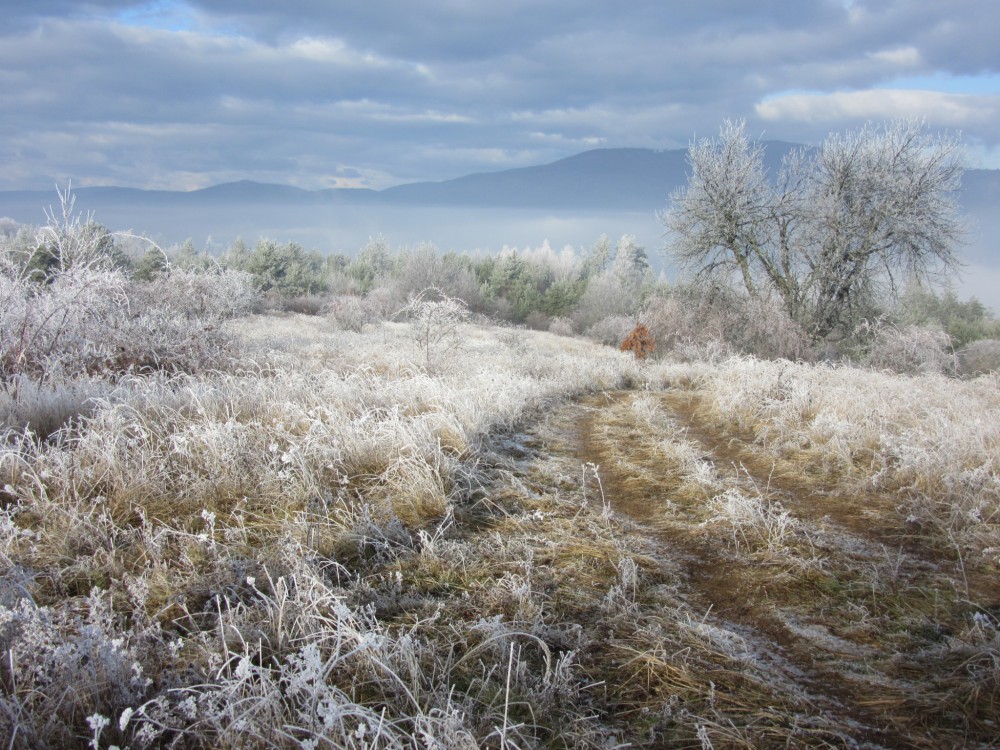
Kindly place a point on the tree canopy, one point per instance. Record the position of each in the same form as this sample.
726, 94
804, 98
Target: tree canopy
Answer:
834, 232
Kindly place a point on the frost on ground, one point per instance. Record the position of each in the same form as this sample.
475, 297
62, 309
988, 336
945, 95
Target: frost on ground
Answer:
381, 538
858, 574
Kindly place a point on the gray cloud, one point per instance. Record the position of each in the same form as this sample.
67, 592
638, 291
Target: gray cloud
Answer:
319, 93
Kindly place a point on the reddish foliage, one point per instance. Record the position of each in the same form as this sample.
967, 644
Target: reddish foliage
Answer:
640, 342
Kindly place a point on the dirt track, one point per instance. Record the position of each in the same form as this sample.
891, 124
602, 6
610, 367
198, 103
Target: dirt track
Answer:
842, 612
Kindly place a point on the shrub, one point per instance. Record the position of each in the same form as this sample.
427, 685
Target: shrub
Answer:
422, 268
671, 319
307, 304
965, 321
372, 265
62, 671
639, 341
85, 317
537, 321
285, 270
561, 326
436, 318
754, 325
604, 296
338, 282
349, 313
63, 326
979, 357
610, 330
153, 263
910, 350
211, 295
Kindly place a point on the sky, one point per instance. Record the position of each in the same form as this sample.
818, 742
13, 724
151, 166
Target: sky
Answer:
179, 95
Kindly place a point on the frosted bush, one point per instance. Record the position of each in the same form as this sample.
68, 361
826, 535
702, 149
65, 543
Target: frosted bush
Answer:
435, 319
910, 350
753, 522
60, 327
713, 317
72, 312
349, 313
670, 320
63, 667
765, 329
8, 227
211, 295
610, 330
384, 303
561, 326
420, 268
979, 357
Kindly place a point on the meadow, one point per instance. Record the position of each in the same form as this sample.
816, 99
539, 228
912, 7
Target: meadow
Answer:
399, 524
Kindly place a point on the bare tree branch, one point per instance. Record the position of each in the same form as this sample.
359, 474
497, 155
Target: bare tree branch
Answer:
834, 230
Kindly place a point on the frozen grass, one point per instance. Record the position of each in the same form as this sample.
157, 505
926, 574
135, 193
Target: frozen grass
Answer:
931, 442
753, 522
807, 571
340, 539
199, 560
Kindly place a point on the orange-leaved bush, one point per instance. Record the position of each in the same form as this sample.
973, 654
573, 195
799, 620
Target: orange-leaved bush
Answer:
639, 341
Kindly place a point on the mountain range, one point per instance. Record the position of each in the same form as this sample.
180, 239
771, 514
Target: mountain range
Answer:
630, 179
568, 202
626, 178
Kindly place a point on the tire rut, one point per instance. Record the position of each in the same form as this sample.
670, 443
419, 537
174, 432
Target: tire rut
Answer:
849, 676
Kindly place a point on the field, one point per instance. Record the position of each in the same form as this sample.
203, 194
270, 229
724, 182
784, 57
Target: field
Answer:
499, 538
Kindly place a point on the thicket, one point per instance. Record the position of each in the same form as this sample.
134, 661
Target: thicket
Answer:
639, 341
77, 318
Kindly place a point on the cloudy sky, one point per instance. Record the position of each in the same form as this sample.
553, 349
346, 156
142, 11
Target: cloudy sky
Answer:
181, 94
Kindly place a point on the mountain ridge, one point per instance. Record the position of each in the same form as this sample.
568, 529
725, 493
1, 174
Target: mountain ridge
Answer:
637, 179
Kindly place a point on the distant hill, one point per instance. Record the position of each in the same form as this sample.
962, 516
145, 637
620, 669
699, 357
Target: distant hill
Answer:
634, 179
631, 179
621, 178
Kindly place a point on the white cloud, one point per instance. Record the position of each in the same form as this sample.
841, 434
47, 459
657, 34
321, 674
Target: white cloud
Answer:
412, 91
901, 57
326, 50
939, 108
581, 142
983, 155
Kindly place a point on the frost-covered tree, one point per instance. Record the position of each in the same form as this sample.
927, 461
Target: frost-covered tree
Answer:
631, 266
287, 269
619, 291
436, 319
419, 268
835, 230
373, 263
597, 258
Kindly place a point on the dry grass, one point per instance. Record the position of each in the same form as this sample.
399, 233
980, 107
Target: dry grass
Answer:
231, 536
341, 541
814, 555
931, 442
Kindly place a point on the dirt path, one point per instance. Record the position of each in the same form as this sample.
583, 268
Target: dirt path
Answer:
837, 607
